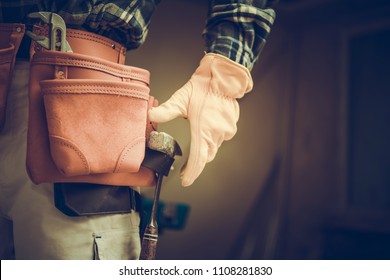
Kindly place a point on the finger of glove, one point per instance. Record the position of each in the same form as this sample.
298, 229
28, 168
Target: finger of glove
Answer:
202, 151
198, 157
175, 106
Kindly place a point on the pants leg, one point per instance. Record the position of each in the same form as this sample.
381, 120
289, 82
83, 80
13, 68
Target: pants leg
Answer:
40, 231
6, 239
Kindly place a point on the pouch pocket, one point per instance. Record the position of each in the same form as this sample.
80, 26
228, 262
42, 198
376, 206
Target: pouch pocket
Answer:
95, 126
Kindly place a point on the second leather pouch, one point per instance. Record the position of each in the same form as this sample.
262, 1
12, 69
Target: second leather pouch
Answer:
11, 36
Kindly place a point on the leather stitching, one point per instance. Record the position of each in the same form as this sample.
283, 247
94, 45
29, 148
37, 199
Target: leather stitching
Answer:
77, 62
127, 149
60, 141
99, 40
109, 90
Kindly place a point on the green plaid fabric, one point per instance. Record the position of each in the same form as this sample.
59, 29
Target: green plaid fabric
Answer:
236, 29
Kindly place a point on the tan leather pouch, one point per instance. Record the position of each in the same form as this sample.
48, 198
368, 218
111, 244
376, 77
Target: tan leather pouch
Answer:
95, 126
87, 120
11, 36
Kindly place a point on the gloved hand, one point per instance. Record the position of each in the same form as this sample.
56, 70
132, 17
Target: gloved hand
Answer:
208, 101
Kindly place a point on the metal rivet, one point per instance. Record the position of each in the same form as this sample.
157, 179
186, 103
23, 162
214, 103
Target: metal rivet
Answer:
18, 29
60, 73
113, 46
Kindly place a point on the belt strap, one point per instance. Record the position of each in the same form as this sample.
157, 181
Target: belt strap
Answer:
84, 199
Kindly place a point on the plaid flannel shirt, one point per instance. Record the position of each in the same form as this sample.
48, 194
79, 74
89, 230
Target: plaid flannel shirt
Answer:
235, 29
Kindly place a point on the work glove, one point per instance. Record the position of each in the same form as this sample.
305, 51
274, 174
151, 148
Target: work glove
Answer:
209, 102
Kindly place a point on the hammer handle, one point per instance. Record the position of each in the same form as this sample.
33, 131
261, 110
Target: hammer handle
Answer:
150, 237
162, 144
149, 243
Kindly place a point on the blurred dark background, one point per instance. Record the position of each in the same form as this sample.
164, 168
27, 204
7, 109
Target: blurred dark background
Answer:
308, 174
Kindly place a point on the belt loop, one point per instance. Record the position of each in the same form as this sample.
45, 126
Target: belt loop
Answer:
132, 200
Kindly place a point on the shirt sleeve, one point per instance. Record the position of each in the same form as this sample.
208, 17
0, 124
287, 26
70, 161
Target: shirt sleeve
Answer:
238, 29
126, 22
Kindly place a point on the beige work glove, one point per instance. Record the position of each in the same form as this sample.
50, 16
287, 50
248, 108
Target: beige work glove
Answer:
208, 101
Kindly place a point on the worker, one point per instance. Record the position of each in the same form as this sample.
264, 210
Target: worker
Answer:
31, 226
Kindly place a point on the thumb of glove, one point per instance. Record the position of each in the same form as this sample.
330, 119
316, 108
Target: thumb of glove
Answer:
175, 106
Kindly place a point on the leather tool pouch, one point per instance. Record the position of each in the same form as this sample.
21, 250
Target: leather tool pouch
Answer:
88, 127
11, 36
95, 126
87, 121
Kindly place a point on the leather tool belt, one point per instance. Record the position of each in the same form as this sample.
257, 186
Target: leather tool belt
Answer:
88, 124
92, 113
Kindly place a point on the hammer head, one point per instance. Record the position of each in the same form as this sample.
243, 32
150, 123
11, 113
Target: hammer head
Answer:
163, 142
161, 152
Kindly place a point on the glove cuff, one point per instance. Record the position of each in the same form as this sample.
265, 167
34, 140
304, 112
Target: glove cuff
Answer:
227, 78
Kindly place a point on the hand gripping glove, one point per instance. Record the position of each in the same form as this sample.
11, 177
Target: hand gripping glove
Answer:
208, 101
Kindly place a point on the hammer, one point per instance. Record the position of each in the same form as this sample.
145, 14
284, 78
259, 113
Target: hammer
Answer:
162, 149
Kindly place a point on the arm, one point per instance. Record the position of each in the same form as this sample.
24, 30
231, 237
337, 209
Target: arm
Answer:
235, 33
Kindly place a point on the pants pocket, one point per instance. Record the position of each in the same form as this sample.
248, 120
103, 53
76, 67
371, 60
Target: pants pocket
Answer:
117, 245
